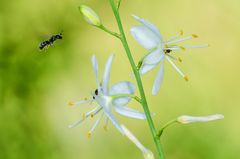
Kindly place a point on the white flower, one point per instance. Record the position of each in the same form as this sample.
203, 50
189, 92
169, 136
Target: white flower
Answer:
150, 38
185, 119
106, 101
147, 154
90, 16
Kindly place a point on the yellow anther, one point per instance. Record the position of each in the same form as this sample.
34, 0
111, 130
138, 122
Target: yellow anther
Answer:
183, 48
186, 78
92, 115
71, 104
84, 116
181, 32
194, 35
179, 59
89, 135
85, 99
105, 127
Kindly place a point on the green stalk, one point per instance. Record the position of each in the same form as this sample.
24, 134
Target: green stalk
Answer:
138, 80
128, 95
165, 126
109, 31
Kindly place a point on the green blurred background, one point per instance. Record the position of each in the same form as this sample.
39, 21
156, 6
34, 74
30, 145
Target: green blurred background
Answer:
35, 87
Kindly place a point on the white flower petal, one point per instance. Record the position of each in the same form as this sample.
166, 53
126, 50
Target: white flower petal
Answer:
123, 87
186, 119
113, 120
158, 80
146, 68
149, 25
95, 68
106, 75
145, 37
129, 112
154, 57
147, 154
106, 103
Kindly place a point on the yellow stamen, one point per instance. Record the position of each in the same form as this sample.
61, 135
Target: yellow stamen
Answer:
194, 36
186, 78
183, 48
85, 99
181, 32
89, 135
71, 104
92, 115
105, 127
179, 59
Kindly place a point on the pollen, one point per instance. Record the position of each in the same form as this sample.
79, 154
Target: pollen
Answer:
183, 48
89, 135
179, 59
194, 36
105, 127
71, 104
181, 32
186, 78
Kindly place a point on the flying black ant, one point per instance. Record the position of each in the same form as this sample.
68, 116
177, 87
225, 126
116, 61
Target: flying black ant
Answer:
50, 42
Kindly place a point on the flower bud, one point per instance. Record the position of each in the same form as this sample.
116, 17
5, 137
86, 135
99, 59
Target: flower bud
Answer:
90, 16
185, 119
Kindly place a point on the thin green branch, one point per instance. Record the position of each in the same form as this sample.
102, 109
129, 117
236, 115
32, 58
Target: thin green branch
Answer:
128, 95
165, 126
138, 80
109, 31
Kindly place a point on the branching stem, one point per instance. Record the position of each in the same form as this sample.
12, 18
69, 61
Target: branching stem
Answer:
138, 80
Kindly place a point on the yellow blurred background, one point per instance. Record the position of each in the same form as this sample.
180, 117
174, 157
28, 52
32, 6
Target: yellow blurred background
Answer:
35, 87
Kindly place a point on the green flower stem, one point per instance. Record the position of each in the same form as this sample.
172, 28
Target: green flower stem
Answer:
165, 126
109, 31
139, 81
128, 95
141, 61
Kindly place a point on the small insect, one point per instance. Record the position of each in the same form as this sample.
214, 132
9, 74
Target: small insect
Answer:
168, 51
50, 42
96, 93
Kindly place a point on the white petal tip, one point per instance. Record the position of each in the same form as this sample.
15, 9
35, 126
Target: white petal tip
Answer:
135, 17
70, 126
154, 93
148, 154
